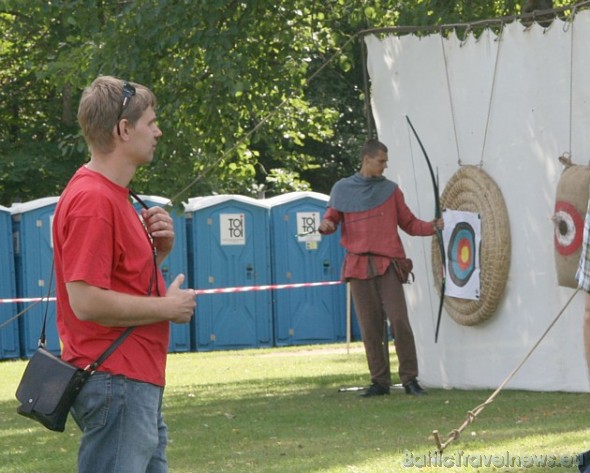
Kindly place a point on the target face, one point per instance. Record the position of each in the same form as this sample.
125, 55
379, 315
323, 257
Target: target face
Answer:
569, 228
462, 254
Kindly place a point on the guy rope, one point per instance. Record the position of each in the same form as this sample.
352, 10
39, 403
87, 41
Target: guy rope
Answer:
472, 414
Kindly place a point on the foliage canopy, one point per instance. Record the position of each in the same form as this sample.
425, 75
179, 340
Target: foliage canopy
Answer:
254, 96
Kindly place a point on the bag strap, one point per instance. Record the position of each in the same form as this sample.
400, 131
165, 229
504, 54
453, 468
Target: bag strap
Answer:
151, 241
42, 337
139, 199
94, 366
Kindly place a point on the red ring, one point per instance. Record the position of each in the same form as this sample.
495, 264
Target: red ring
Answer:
565, 250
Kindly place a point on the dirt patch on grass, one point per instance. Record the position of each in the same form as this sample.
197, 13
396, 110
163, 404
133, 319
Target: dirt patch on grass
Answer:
317, 350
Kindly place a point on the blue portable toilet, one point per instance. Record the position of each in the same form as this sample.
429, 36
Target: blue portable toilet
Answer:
33, 256
9, 333
229, 246
300, 254
174, 264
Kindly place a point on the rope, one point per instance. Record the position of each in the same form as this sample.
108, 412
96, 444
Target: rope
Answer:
571, 79
472, 415
198, 292
451, 102
485, 135
266, 287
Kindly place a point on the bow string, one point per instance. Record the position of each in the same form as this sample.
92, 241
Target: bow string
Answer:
437, 215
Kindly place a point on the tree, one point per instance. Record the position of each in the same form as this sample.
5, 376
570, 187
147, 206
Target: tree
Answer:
33, 111
254, 95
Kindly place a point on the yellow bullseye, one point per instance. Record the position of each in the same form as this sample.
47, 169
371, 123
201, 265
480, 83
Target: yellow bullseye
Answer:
465, 255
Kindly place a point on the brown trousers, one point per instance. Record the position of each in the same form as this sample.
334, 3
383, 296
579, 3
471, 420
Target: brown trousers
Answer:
376, 300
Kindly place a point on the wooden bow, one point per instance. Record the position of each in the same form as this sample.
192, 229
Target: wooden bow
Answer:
437, 215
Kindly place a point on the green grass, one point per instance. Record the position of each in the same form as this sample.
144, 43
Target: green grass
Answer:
279, 410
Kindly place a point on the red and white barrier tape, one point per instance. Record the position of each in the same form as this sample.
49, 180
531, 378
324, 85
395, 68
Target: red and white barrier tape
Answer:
198, 292
265, 288
26, 299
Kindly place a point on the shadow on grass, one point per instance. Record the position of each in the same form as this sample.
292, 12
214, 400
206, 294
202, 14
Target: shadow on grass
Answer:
296, 426
28, 447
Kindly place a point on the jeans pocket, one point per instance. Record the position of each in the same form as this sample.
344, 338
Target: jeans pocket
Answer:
92, 405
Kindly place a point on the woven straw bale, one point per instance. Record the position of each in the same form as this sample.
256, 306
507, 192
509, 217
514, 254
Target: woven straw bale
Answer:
473, 190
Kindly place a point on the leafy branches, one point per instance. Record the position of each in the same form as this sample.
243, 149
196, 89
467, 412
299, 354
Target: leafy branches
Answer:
220, 68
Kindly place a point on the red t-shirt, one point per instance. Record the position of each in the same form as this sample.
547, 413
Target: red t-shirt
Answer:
375, 231
99, 239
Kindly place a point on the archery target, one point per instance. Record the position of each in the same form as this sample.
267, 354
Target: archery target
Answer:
571, 202
569, 228
461, 252
471, 189
462, 240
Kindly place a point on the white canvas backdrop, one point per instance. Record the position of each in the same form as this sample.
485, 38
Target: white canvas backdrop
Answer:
522, 87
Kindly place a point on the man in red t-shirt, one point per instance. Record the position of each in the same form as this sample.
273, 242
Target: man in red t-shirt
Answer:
108, 278
370, 208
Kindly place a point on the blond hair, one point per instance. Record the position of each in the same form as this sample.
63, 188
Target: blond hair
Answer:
100, 107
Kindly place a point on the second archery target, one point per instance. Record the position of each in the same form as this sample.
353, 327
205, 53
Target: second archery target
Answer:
571, 201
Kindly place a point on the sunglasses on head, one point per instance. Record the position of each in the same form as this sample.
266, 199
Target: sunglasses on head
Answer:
128, 92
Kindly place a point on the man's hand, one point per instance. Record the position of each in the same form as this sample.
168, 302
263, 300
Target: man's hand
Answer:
160, 226
116, 309
438, 224
327, 226
184, 302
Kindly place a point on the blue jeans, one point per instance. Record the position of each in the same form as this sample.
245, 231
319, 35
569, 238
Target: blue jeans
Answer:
122, 426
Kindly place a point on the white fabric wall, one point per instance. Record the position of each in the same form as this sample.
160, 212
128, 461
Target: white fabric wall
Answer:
528, 129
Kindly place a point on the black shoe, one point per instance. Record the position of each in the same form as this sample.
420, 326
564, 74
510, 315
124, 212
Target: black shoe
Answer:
584, 462
376, 390
414, 389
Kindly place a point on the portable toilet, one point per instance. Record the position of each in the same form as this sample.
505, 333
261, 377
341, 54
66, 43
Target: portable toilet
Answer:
174, 264
33, 256
9, 333
229, 248
300, 254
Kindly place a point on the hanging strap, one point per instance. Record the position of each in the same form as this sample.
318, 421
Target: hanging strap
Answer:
154, 251
94, 366
42, 335
138, 199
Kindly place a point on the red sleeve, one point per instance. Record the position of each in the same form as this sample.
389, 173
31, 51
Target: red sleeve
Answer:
407, 221
334, 216
88, 251
88, 243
